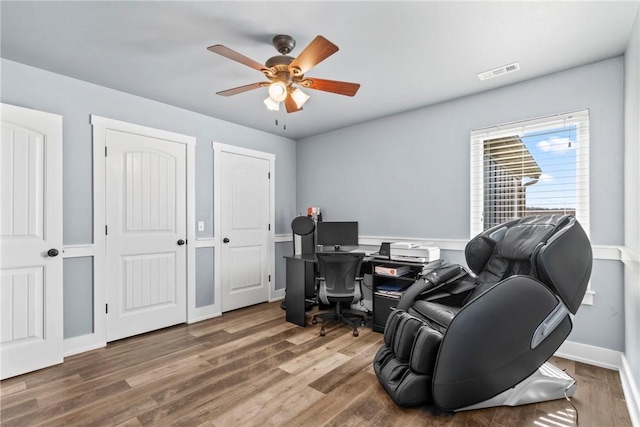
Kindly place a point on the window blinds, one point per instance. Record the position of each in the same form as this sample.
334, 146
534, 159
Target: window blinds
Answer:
534, 167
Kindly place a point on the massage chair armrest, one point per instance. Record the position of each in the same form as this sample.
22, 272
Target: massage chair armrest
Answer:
429, 282
442, 274
487, 347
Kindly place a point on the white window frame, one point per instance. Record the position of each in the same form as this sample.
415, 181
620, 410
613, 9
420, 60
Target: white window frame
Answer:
580, 119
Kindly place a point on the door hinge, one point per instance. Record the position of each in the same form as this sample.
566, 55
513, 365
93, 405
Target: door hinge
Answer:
269, 227
269, 277
105, 151
105, 231
106, 308
268, 175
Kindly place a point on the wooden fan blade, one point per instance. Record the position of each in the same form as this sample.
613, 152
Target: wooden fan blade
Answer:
341, 88
238, 57
290, 104
317, 51
240, 89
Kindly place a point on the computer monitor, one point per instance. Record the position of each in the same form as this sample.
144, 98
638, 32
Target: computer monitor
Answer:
337, 233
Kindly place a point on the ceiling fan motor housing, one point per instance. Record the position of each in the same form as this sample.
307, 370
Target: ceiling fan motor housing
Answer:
283, 43
279, 60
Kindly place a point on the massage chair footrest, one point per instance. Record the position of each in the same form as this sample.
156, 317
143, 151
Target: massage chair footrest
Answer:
404, 364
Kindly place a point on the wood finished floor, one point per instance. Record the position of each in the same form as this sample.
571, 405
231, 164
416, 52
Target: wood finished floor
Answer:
252, 368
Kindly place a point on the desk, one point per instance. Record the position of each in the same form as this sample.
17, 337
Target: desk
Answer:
300, 283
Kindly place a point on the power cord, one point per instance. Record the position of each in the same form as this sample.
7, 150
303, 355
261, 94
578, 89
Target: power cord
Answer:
569, 400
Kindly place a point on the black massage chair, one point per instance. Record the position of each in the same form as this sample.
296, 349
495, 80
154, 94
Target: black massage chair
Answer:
465, 341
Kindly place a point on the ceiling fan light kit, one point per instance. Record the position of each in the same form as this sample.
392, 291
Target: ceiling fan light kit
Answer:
271, 104
278, 91
285, 73
299, 97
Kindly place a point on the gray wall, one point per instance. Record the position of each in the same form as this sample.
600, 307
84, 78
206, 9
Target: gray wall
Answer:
77, 292
282, 249
632, 202
408, 175
75, 101
205, 273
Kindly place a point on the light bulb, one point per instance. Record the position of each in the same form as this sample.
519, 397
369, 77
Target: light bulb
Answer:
278, 91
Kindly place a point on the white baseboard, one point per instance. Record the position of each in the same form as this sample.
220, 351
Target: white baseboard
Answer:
204, 317
82, 343
592, 355
276, 295
631, 394
78, 350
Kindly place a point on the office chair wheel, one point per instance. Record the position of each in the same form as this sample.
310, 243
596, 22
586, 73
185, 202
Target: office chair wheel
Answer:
363, 323
314, 321
355, 333
322, 332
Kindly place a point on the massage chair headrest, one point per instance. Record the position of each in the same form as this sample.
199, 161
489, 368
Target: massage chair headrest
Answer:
556, 245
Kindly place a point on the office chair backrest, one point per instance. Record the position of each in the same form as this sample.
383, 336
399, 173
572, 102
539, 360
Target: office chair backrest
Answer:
339, 270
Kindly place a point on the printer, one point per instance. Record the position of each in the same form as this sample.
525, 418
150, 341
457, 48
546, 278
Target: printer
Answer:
414, 252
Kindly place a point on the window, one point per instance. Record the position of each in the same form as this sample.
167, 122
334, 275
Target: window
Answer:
534, 167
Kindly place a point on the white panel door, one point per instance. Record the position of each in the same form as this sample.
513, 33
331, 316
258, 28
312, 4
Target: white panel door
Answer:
245, 231
146, 234
31, 323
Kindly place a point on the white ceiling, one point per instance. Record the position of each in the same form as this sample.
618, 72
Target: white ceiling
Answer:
405, 55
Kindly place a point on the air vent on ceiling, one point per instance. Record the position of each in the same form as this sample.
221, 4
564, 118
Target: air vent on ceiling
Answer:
506, 69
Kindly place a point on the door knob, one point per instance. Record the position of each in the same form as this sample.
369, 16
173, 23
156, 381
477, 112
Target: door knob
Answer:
225, 240
181, 242
52, 252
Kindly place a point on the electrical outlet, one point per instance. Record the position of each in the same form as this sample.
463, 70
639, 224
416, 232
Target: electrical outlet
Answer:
200, 225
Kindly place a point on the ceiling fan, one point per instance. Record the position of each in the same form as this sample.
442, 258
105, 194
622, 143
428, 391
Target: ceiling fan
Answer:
285, 72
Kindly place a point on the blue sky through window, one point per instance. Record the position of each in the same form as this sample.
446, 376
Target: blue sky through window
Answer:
555, 152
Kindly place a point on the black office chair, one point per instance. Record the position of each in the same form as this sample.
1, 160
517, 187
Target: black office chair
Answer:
338, 284
463, 341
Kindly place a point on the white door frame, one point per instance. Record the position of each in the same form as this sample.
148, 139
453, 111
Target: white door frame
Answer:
100, 127
218, 148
